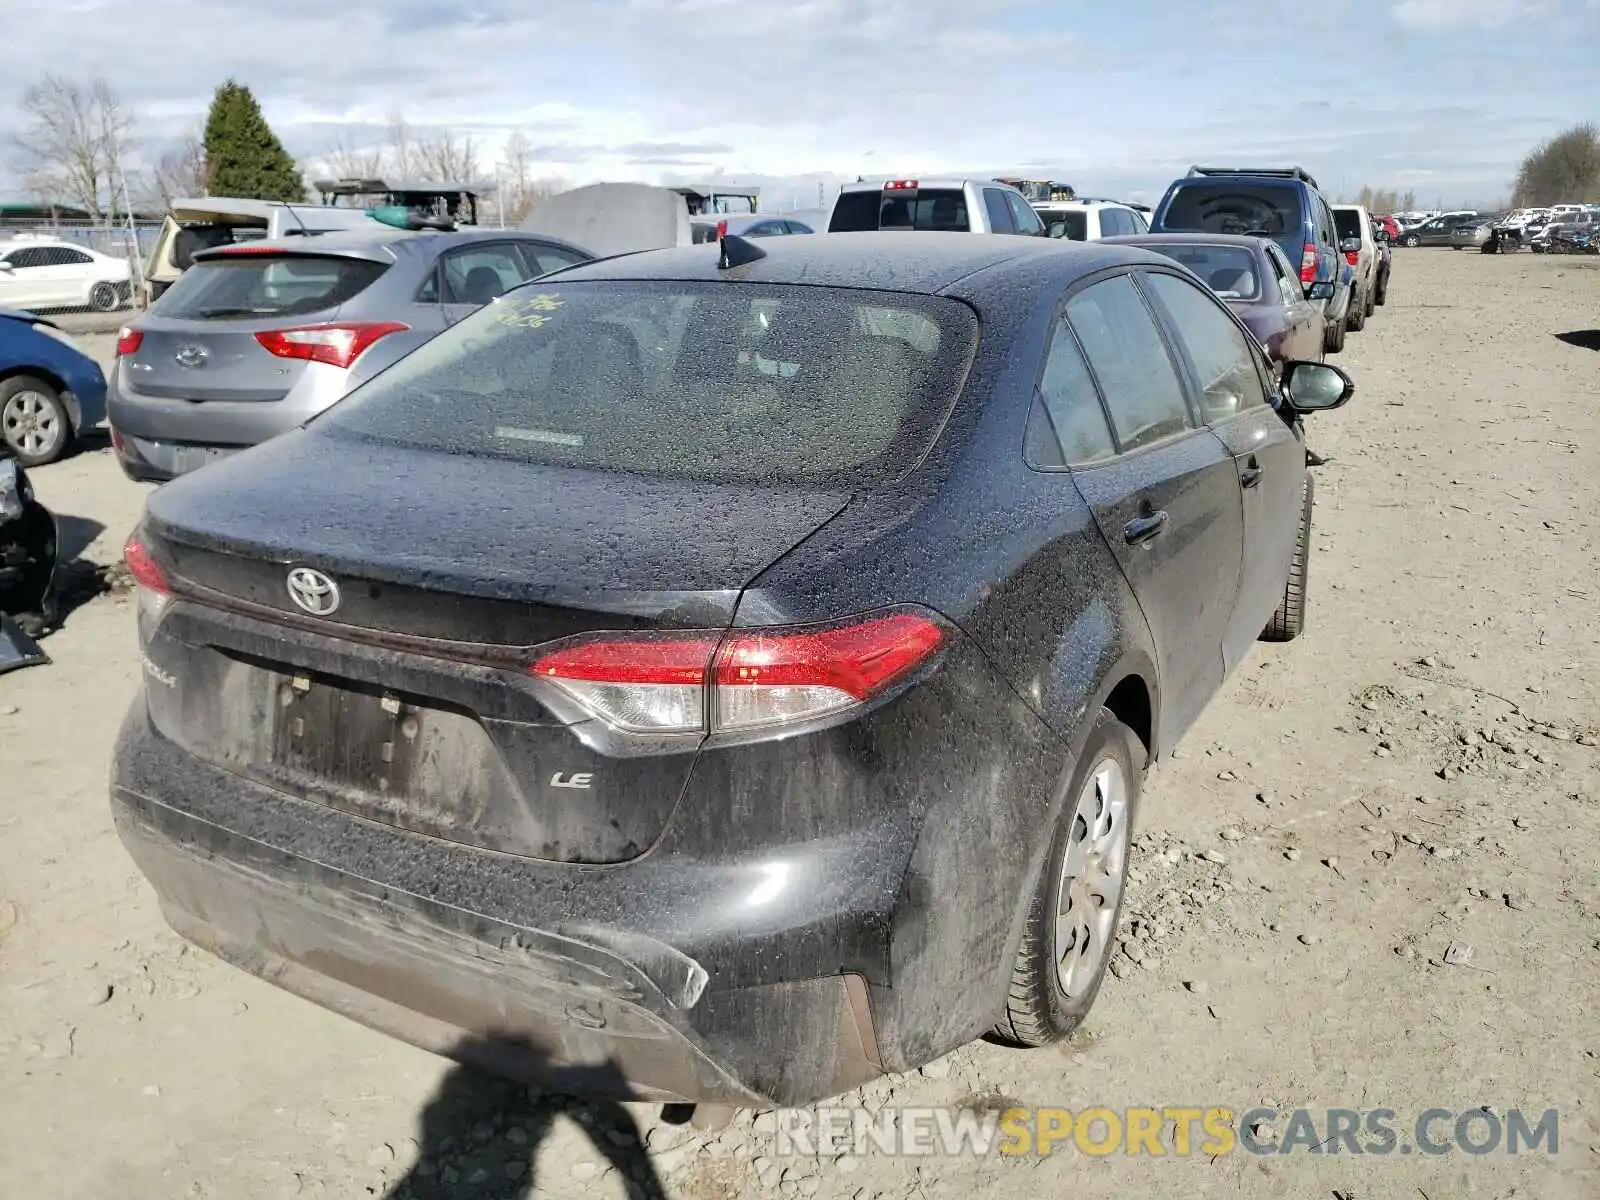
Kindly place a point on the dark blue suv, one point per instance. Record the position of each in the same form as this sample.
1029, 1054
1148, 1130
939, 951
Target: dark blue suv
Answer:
1282, 203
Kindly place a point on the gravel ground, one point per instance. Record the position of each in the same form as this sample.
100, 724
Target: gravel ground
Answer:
1419, 770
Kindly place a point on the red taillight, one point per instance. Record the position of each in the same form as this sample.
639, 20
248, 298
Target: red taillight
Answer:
1308, 263
757, 679
129, 340
116, 438
337, 345
722, 230
143, 567
897, 185
1352, 257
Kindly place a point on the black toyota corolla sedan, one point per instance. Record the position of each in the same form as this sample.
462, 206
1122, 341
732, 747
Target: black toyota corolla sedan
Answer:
717, 677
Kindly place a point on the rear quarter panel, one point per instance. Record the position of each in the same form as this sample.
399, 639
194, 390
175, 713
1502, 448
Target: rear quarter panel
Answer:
1013, 557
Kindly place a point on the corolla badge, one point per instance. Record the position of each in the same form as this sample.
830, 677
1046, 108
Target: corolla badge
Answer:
313, 591
192, 356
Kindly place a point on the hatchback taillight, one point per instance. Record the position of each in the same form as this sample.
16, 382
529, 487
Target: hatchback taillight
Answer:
1308, 263
338, 345
129, 340
741, 680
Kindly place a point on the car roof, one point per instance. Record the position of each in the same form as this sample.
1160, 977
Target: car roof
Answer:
1178, 237
941, 181
898, 261
379, 243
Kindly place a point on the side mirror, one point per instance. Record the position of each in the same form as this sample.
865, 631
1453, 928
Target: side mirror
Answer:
1350, 246
1315, 387
1321, 290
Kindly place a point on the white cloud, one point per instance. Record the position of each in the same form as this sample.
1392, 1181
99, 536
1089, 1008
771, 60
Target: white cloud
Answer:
1435, 15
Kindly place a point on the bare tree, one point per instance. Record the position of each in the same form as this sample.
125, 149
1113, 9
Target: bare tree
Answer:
447, 157
401, 152
520, 188
180, 172
348, 161
1564, 169
70, 141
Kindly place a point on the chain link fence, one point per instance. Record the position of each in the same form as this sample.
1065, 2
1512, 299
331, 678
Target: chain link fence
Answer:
101, 236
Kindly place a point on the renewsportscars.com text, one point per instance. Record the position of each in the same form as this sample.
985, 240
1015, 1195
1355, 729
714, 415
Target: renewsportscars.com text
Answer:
1158, 1132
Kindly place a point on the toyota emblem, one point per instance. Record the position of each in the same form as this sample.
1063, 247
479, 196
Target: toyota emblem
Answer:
192, 356
313, 591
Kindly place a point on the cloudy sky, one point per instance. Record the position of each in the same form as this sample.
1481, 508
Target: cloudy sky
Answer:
1443, 96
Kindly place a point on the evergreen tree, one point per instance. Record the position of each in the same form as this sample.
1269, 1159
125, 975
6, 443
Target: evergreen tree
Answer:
243, 155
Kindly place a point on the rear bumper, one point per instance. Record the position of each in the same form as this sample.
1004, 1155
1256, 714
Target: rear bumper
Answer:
161, 427
476, 956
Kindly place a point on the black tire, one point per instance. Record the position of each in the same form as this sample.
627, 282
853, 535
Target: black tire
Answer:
1333, 339
1038, 1011
105, 297
1381, 296
1290, 620
1411, 240
34, 424
1356, 319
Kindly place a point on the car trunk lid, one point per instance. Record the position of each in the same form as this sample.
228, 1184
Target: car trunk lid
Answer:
412, 702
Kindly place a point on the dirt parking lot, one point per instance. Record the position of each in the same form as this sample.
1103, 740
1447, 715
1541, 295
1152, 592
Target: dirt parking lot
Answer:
1420, 770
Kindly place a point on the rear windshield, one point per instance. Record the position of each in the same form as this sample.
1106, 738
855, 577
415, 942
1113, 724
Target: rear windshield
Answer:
261, 285
1229, 271
1223, 206
731, 384
1347, 223
1074, 226
929, 208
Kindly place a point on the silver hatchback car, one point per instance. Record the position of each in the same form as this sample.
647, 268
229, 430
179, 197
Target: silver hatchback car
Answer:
256, 338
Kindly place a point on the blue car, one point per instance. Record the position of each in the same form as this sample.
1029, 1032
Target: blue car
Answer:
50, 391
1281, 203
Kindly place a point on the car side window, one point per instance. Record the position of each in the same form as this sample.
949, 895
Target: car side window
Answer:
1068, 424
28, 256
1140, 225
1288, 283
1130, 362
1223, 357
1027, 221
67, 257
541, 260
481, 273
1000, 219
799, 227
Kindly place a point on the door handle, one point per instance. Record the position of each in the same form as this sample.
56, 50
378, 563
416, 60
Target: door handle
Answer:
1251, 475
1142, 529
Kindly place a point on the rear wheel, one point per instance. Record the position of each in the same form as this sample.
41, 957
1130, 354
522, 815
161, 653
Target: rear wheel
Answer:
1333, 338
1356, 319
1382, 294
1412, 240
104, 297
1070, 934
33, 421
1290, 619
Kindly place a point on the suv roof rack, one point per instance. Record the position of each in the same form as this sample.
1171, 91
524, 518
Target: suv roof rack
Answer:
1299, 173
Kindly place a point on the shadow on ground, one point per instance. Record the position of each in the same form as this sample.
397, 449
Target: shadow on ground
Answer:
481, 1134
1584, 339
78, 580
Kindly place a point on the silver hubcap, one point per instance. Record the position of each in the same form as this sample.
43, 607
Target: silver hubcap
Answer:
31, 423
1092, 873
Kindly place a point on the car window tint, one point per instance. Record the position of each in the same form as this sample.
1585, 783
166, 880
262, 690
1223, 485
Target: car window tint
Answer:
1000, 219
855, 212
750, 384
266, 285
1230, 271
66, 256
1130, 362
930, 208
1022, 214
1070, 404
799, 227
1140, 225
543, 259
479, 274
1223, 357
1073, 226
28, 257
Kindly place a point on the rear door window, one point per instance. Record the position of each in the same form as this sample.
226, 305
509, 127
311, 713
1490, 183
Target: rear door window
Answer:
999, 212
1130, 362
478, 274
1067, 418
855, 212
749, 384
1073, 226
266, 285
929, 208
1224, 360
541, 259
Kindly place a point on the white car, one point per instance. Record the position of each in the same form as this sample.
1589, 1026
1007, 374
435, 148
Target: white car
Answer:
1088, 220
49, 274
